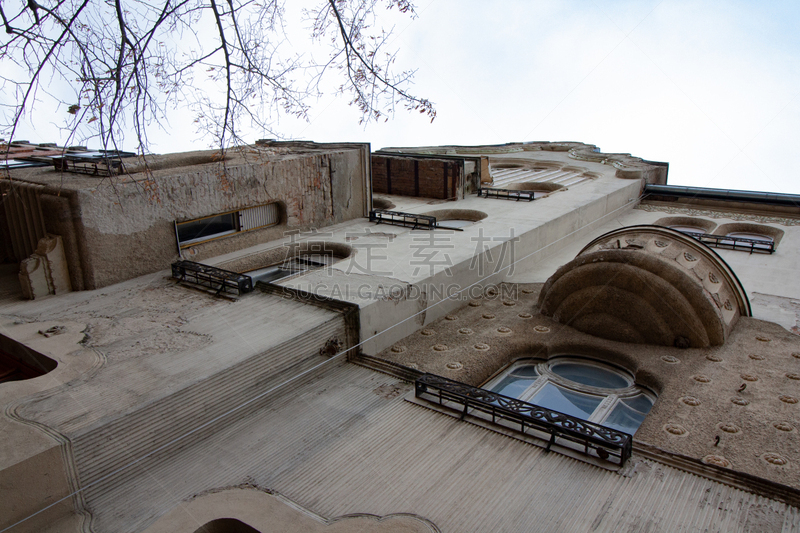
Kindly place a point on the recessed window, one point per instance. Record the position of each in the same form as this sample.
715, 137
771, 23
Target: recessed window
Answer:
207, 228
756, 240
578, 387
688, 229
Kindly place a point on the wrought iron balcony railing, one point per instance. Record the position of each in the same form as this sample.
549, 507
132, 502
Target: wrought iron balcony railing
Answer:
564, 430
491, 192
396, 218
730, 242
216, 279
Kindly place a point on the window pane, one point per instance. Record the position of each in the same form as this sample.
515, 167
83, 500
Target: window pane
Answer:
623, 418
590, 375
566, 401
526, 371
642, 403
206, 227
512, 386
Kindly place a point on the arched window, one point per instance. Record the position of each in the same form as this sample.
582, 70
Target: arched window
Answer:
578, 387
688, 229
756, 240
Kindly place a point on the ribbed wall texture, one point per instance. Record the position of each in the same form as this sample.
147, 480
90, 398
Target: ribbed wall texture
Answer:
346, 442
505, 176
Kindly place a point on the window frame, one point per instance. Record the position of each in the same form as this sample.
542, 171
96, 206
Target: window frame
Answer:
238, 216
611, 397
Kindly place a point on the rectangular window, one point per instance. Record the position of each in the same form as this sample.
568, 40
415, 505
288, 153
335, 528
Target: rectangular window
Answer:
207, 228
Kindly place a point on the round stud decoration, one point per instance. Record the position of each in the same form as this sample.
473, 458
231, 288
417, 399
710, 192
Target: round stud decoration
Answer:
451, 317
541, 329
783, 426
503, 329
465, 331
675, 429
796, 355
413, 365
762, 338
491, 291
481, 346
716, 460
729, 428
440, 347
474, 303
488, 316
670, 360
749, 377
775, 459
398, 348
702, 379
787, 399
739, 401
427, 332
525, 315
690, 400
714, 358
455, 365
756, 357
509, 303
792, 375
528, 291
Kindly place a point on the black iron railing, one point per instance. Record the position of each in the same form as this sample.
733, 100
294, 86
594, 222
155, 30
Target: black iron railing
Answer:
491, 192
565, 430
729, 242
396, 218
216, 279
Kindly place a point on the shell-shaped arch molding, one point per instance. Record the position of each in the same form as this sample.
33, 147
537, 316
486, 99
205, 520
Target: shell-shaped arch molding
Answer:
647, 285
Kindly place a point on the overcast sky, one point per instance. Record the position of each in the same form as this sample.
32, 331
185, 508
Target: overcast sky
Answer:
710, 87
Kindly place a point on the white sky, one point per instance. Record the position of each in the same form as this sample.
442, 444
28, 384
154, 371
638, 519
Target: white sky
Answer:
711, 87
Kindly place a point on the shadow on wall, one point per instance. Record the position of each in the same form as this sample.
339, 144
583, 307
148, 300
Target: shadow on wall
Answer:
226, 525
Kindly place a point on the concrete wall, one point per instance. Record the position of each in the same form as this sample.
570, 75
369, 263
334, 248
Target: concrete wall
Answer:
128, 227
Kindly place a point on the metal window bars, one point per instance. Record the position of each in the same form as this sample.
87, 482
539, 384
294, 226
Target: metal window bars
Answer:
108, 164
574, 433
396, 218
216, 279
508, 194
729, 242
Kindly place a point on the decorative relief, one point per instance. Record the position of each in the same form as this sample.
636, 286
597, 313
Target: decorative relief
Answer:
661, 244
451, 317
474, 303
398, 348
525, 315
714, 357
796, 355
718, 214
756, 357
712, 278
509, 303
503, 329
727, 305
528, 291
792, 375
787, 399
455, 365
689, 257
670, 360
775, 459
729, 428
481, 346
749, 377
762, 338
716, 460
465, 331
675, 429
427, 332
440, 347
541, 329
740, 401
690, 400
702, 379
783, 426
488, 316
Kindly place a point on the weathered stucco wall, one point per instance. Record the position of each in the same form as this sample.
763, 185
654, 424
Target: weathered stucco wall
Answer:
410, 176
128, 226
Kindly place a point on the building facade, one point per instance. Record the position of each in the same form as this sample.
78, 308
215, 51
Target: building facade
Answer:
524, 337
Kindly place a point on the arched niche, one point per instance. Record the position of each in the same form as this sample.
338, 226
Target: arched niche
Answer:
647, 285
